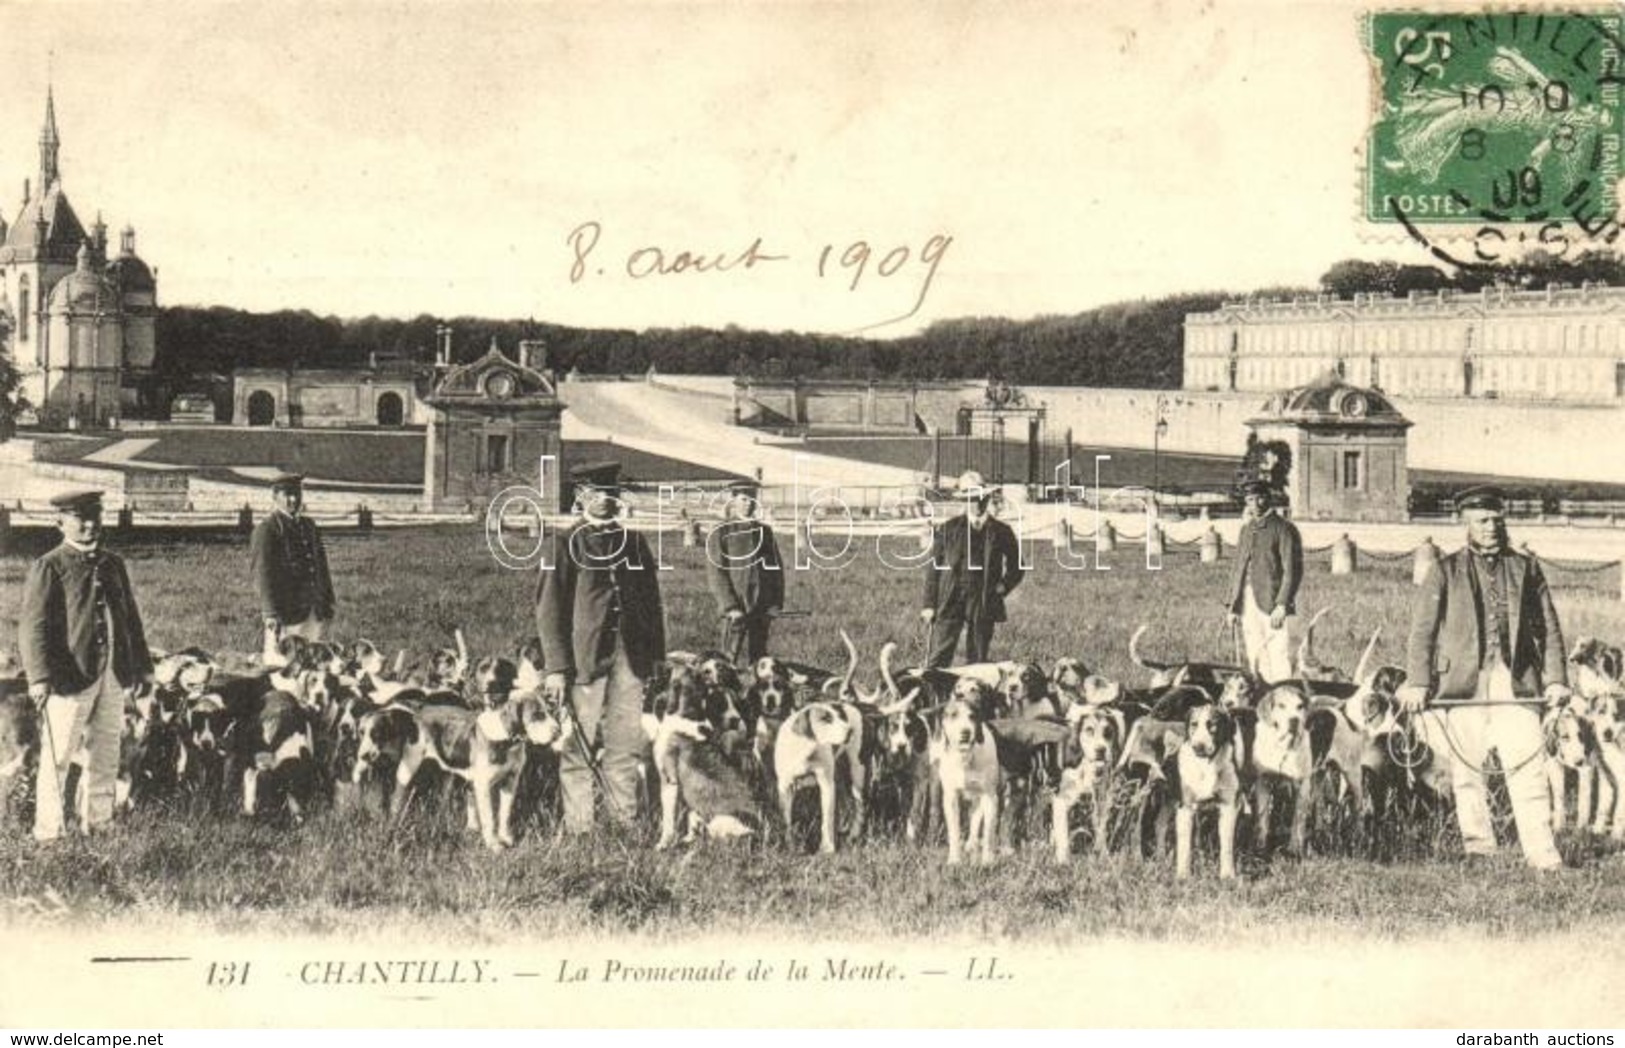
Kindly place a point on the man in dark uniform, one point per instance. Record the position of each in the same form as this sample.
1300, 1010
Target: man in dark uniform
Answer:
83, 647
975, 564
747, 576
1484, 632
602, 630
290, 567
1264, 584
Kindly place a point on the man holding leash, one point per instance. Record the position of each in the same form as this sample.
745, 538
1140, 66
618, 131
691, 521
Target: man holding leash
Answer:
1485, 649
975, 564
1264, 584
747, 576
83, 648
602, 629
290, 567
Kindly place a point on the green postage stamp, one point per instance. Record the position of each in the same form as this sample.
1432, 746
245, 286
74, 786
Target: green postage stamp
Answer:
1499, 118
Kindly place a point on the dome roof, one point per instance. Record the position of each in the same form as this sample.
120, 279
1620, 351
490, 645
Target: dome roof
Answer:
63, 232
128, 273
84, 290
1330, 399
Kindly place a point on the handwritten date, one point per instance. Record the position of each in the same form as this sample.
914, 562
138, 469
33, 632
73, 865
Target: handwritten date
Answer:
857, 265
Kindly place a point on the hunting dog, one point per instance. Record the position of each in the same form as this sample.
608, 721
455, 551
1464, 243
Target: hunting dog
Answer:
967, 757
1349, 737
1571, 747
19, 747
906, 764
272, 754
1597, 668
485, 749
819, 742
694, 715
1089, 769
1605, 714
696, 775
1206, 768
1281, 757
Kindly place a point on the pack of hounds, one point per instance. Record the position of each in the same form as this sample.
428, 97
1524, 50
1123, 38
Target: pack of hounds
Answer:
967, 753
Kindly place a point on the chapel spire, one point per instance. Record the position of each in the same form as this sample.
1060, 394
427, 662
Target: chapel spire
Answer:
49, 145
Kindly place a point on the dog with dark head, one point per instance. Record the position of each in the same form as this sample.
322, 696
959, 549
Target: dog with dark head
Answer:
1066, 680
273, 756
1350, 737
1596, 668
1089, 769
689, 712
904, 765
696, 773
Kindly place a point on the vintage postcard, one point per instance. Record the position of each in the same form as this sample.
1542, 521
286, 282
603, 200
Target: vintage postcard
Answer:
783, 514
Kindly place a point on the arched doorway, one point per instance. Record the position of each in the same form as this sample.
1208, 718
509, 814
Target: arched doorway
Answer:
261, 408
391, 411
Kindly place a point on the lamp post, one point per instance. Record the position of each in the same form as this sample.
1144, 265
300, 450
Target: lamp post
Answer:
1157, 431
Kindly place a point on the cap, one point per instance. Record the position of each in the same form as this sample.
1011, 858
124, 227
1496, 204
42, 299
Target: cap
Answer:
81, 502
1256, 486
1485, 496
743, 487
970, 485
287, 481
598, 474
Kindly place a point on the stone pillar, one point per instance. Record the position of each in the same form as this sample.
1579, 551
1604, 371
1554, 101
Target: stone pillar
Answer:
1154, 546
1106, 538
1211, 545
245, 519
1345, 556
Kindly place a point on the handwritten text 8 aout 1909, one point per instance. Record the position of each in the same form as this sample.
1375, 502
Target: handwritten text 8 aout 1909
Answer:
852, 266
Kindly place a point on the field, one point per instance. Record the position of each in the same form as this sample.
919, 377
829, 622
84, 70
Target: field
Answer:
338, 457
340, 873
1175, 471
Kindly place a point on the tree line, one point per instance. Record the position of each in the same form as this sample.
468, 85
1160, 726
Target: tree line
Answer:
1135, 344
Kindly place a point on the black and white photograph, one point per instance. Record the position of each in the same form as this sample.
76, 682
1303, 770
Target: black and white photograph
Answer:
782, 514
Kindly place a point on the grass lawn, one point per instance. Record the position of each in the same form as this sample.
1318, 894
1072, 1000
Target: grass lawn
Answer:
337, 872
1176, 471
346, 456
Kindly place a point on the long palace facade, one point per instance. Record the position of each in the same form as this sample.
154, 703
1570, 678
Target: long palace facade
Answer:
1560, 344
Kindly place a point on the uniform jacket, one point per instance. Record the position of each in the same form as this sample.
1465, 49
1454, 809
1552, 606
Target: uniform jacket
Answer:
744, 567
62, 601
1446, 645
989, 583
290, 566
599, 577
1269, 558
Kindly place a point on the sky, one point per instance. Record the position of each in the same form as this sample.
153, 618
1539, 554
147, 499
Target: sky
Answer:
996, 159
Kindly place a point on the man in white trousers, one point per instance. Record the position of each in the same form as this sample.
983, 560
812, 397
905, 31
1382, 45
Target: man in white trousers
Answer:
1264, 584
1485, 652
83, 649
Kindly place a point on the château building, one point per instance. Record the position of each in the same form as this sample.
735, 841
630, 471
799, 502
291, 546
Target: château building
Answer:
78, 323
1560, 344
